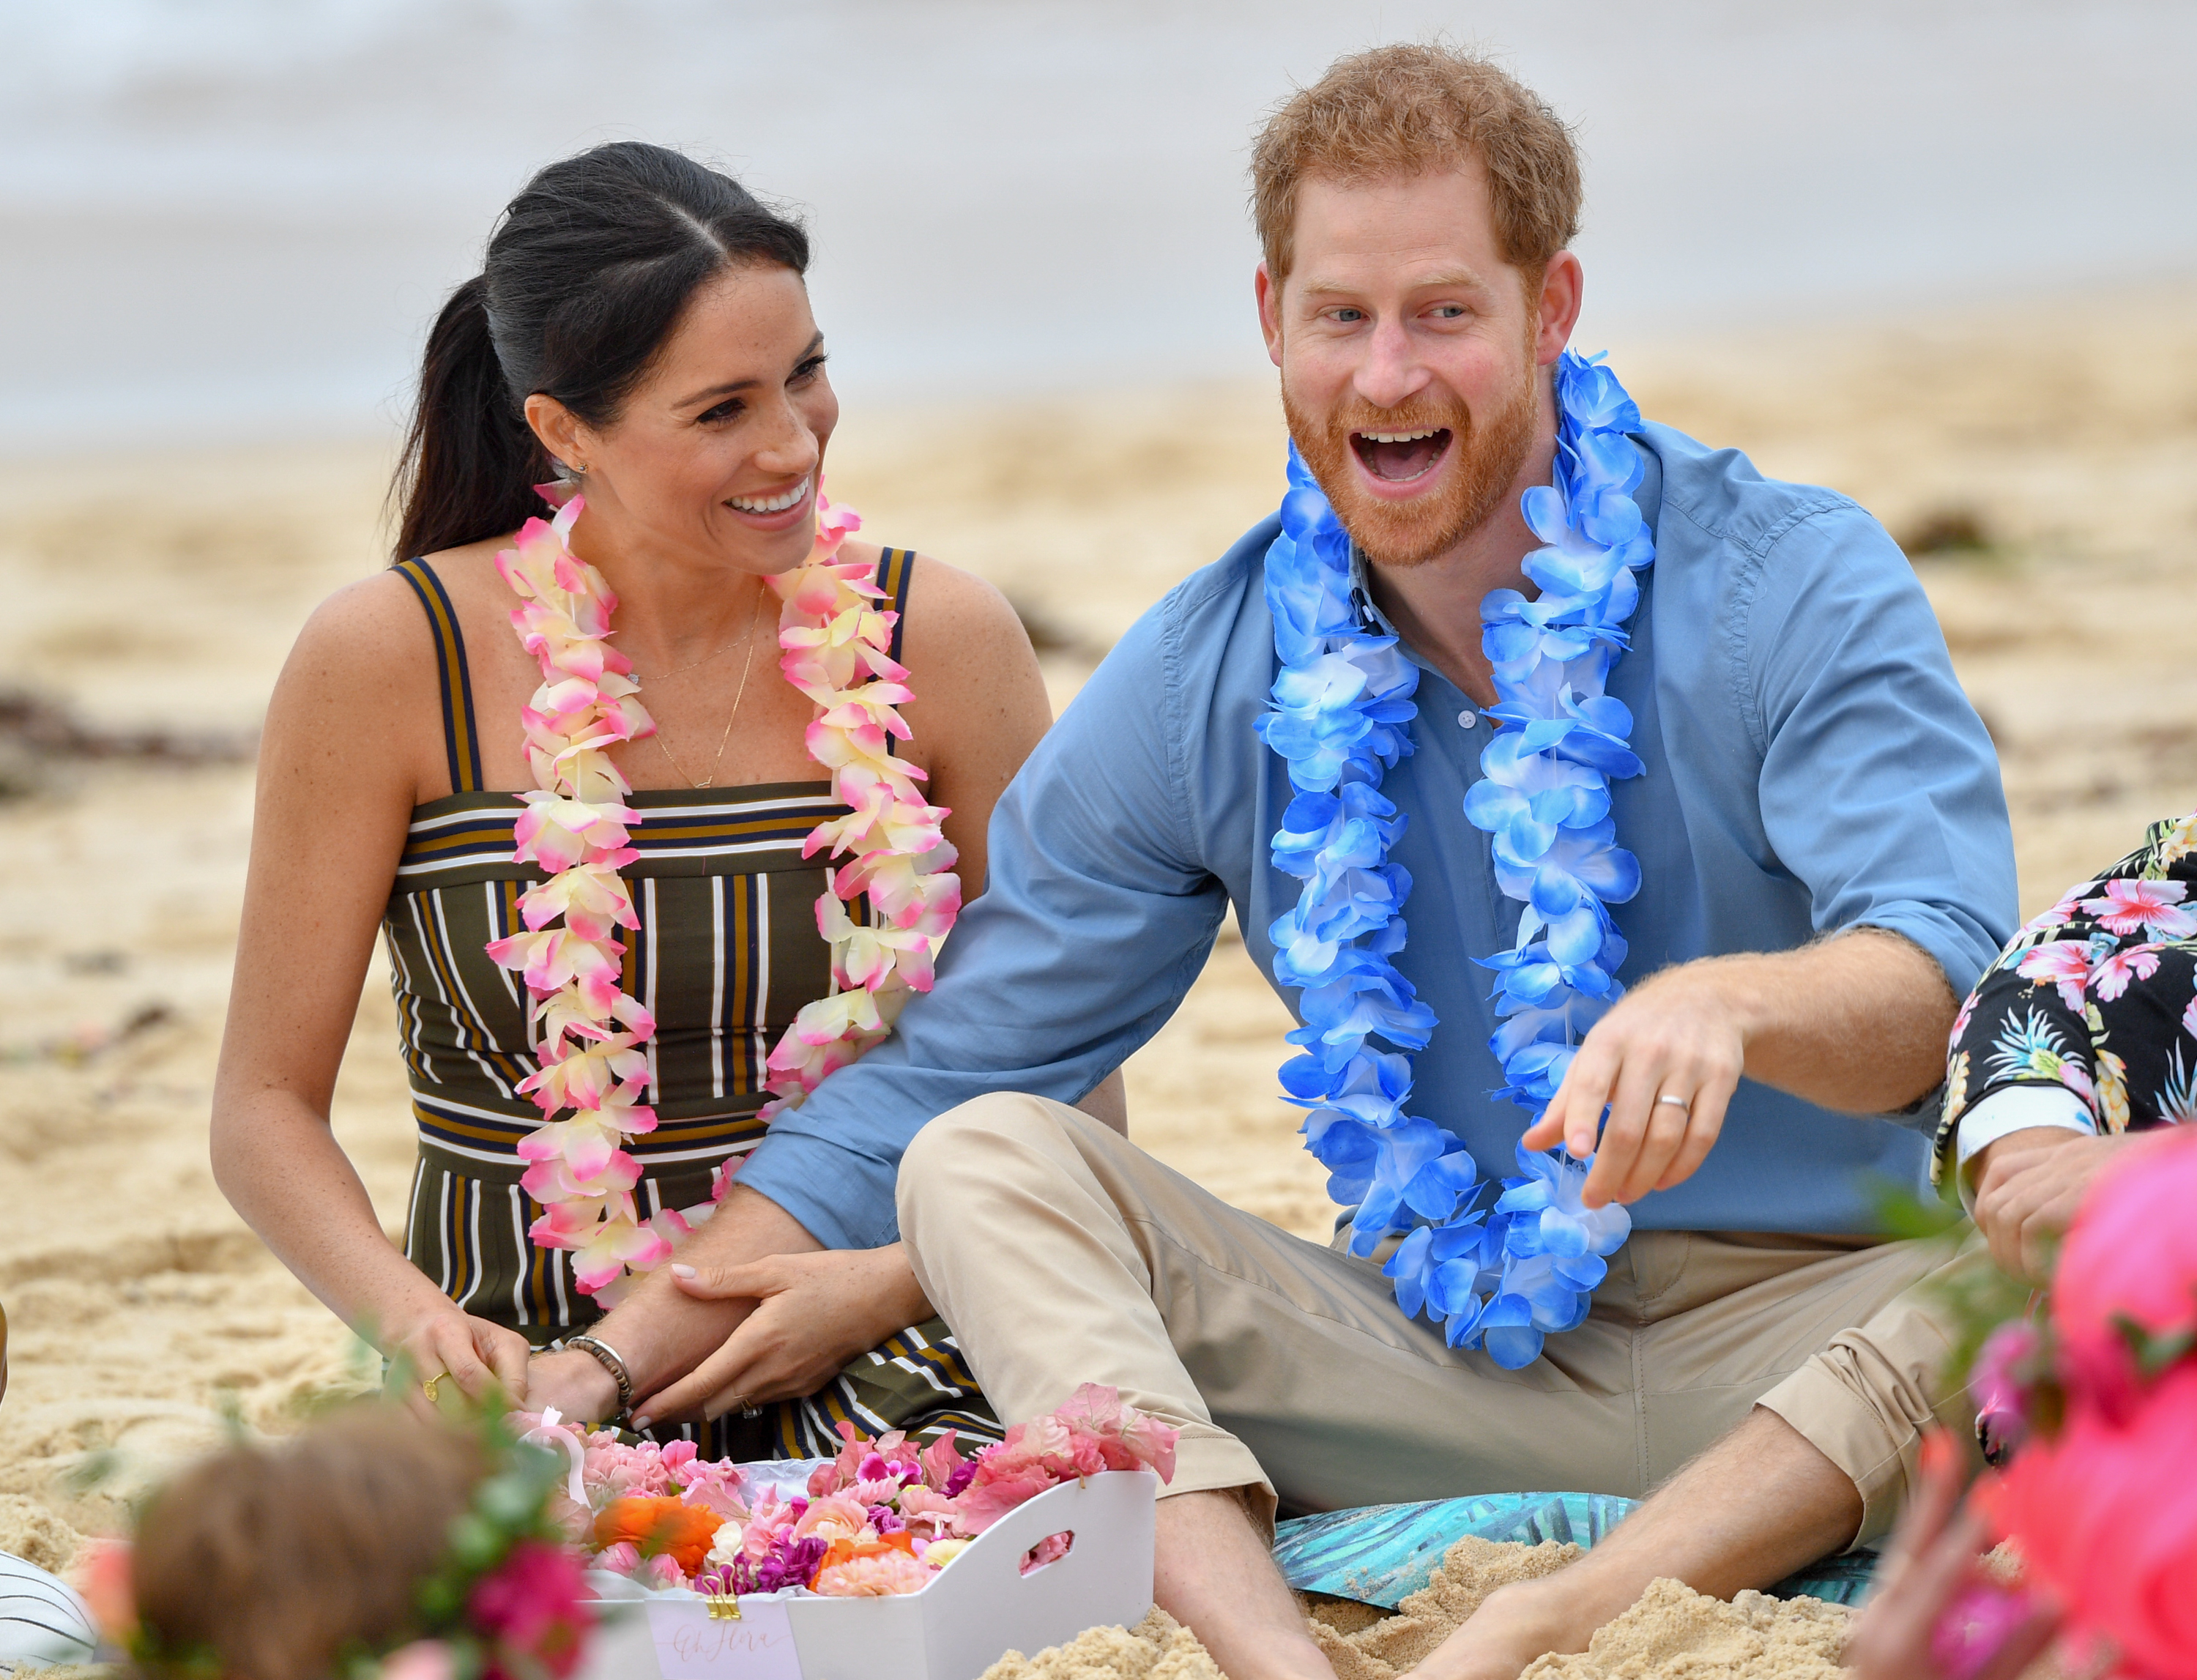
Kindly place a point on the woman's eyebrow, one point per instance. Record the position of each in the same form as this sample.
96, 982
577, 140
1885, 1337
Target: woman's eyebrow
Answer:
736, 385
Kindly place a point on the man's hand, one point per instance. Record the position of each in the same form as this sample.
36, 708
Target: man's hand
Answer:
814, 1313
574, 1381
2029, 1183
1855, 1023
1677, 1036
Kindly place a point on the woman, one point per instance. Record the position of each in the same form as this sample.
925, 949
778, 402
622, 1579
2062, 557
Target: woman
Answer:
642, 331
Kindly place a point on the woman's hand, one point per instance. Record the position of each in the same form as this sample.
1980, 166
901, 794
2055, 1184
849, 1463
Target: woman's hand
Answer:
1930, 1563
446, 1347
2029, 1184
814, 1313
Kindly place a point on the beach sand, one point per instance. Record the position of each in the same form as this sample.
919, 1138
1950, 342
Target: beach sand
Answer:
2048, 449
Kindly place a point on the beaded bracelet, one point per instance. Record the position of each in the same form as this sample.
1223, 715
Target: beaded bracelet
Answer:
610, 1359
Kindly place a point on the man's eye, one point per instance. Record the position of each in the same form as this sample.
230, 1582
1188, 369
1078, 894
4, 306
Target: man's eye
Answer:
1449, 311
1349, 317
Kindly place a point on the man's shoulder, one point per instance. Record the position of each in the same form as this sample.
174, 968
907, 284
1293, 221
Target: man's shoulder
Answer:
1194, 629
1721, 501
1216, 591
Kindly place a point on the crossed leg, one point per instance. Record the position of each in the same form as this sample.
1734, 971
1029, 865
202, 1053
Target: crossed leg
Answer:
1060, 1254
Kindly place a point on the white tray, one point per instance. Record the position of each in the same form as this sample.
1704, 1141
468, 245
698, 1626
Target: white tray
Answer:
977, 1608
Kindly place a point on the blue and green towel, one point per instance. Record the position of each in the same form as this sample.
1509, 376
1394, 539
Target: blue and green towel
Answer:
1381, 1554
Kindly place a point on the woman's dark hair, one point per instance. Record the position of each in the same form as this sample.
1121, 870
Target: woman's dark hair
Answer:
586, 274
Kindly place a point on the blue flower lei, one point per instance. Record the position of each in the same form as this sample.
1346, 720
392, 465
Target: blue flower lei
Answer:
1507, 1275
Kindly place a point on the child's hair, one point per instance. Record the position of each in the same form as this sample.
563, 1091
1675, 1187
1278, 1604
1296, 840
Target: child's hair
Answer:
274, 1560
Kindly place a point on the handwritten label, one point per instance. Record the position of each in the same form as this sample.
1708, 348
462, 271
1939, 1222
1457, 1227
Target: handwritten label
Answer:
690, 1646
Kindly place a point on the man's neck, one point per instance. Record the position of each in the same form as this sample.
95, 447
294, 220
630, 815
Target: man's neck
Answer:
1435, 605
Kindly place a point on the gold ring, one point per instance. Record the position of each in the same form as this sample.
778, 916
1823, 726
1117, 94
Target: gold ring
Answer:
428, 1389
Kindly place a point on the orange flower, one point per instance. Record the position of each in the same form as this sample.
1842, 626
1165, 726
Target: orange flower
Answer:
845, 1551
660, 1528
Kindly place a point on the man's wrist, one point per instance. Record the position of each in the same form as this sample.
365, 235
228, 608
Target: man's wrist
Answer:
576, 1373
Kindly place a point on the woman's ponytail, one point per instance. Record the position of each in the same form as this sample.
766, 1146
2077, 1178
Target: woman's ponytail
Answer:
588, 273
469, 460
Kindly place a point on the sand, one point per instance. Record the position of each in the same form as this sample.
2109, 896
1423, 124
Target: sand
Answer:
1672, 1633
161, 594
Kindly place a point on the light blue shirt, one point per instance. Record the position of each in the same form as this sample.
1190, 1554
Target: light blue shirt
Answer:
1812, 765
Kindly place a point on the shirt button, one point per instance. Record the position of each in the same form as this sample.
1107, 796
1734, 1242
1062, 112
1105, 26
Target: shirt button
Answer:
1467, 718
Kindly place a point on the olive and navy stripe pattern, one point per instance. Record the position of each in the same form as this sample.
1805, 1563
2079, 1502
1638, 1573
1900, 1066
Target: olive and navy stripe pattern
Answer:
727, 953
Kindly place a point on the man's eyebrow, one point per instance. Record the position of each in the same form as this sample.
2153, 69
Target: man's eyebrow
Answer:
738, 386
1441, 280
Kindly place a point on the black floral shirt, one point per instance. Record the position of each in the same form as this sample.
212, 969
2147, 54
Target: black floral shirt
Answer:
2098, 995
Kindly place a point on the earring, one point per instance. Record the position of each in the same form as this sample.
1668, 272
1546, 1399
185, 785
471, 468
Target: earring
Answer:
567, 474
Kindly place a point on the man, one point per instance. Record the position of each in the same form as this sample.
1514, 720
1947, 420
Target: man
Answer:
1823, 866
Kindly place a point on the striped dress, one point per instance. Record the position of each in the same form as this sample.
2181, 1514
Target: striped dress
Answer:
727, 953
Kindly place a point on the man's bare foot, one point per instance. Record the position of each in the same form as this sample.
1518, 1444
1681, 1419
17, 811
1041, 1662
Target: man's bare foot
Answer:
1513, 1625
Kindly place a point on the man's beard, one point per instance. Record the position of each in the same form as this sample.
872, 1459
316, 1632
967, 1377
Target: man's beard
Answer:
1485, 453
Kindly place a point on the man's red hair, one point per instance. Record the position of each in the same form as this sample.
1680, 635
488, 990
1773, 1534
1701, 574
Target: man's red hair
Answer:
1403, 111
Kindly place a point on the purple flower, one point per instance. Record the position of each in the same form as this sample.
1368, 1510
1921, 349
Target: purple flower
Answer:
788, 1563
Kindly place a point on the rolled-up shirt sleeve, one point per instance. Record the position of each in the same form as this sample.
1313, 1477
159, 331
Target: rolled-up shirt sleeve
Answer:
1880, 785
1096, 916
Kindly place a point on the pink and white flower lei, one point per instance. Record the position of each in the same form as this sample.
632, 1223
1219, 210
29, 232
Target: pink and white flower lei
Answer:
576, 827
837, 641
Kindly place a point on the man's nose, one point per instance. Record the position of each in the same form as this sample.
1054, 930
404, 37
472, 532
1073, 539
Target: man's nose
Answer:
1391, 373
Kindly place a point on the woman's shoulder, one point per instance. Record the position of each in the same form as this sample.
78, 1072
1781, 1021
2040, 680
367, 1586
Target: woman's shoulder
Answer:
376, 635
951, 612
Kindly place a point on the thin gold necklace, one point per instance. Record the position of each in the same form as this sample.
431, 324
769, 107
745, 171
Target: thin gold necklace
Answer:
747, 665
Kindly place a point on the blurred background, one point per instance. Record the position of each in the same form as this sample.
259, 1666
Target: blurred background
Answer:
228, 218
1940, 255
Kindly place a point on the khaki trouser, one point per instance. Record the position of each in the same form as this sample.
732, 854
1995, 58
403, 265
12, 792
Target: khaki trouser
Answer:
1061, 1254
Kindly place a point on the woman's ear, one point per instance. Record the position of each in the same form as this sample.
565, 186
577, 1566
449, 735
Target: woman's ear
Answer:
561, 431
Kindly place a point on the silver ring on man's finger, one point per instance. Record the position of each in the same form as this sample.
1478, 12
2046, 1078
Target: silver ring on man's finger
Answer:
1676, 1103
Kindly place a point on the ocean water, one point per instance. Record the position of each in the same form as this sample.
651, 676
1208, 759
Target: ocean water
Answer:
231, 219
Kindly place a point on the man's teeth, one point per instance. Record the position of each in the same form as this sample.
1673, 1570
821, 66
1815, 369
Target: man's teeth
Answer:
777, 504
1398, 437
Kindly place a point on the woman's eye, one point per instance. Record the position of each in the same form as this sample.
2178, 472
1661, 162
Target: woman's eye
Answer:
724, 411
808, 370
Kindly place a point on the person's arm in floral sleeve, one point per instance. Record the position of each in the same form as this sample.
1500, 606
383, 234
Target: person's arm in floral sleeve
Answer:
2084, 1028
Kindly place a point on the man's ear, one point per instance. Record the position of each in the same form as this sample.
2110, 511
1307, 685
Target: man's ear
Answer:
1563, 290
559, 429
1269, 312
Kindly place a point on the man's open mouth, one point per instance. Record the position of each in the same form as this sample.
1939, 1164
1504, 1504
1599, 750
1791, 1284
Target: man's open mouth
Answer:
1398, 457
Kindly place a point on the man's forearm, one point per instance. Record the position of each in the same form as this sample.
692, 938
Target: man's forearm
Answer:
662, 1333
1855, 1022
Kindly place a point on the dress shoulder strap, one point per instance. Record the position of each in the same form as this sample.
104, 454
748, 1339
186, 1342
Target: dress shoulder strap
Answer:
895, 567
461, 739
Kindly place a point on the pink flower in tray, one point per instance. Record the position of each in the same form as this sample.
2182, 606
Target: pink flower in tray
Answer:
2137, 907
836, 1516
